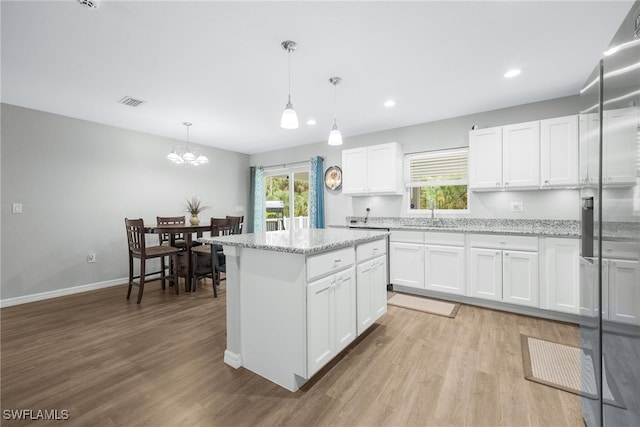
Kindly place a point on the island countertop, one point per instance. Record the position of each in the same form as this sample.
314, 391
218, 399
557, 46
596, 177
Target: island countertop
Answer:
302, 241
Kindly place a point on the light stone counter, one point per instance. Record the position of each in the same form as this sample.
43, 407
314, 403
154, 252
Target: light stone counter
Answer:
304, 241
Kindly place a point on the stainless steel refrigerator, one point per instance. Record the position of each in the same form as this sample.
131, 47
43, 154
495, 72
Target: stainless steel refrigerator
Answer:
610, 219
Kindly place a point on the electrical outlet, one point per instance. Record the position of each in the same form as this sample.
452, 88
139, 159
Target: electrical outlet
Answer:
517, 206
91, 257
16, 208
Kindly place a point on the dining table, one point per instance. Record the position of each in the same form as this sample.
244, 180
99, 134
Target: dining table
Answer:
188, 230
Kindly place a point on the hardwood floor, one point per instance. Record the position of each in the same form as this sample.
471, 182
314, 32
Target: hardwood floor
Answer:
112, 362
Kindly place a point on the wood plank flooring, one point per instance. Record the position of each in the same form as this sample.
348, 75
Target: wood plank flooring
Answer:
111, 362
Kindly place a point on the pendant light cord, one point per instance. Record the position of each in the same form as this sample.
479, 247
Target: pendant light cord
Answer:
289, 50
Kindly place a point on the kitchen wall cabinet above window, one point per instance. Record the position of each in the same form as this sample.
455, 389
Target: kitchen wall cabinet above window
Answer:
525, 156
373, 170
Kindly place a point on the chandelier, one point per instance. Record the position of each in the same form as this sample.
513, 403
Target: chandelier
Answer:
192, 157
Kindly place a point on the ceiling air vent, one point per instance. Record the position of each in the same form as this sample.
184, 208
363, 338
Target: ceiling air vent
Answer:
131, 102
91, 4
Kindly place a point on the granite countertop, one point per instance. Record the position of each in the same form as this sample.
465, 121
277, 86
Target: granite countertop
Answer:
305, 241
521, 227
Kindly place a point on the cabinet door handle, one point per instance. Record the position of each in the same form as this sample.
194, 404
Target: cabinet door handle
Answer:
497, 253
497, 184
506, 184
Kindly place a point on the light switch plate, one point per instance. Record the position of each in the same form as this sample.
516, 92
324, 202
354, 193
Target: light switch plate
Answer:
16, 208
517, 206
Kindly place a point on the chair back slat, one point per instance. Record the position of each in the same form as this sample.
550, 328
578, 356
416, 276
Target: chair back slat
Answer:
236, 222
135, 234
170, 220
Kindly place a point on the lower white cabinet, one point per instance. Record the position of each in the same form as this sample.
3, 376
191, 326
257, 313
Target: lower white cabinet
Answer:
445, 269
371, 292
502, 272
624, 291
407, 264
562, 275
486, 273
520, 278
620, 289
331, 317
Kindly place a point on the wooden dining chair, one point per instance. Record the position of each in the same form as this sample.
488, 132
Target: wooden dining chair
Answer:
209, 260
138, 249
171, 239
237, 223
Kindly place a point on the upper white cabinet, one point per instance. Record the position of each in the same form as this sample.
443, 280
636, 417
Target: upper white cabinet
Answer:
559, 151
525, 156
619, 146
372, 170
589, 131
485, 158
521, 155
505, 157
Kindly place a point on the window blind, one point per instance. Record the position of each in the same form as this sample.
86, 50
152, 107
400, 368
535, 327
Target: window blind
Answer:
438, 168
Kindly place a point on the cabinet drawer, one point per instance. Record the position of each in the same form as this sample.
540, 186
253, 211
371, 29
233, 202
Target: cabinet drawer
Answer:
522, 243
444, 238
407, 236
320, 265
620, 250
370, 250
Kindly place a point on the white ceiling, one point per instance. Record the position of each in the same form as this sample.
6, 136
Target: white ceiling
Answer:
220, 64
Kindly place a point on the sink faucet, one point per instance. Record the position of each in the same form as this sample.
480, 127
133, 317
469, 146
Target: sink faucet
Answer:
432, 207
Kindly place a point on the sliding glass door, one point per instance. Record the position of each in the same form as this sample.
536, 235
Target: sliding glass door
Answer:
286, 198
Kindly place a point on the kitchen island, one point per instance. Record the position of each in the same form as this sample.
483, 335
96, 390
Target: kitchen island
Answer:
297, 298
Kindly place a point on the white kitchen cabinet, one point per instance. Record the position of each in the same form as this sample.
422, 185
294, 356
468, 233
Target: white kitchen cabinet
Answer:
520, 278
445, 269
373, 170
406, 264
486, 273
559, 152
619, 145
562, 275
521, 155
624, 291
506, 157
589, 131
504, 268
331, 317
371, 292
485, 158
589, 295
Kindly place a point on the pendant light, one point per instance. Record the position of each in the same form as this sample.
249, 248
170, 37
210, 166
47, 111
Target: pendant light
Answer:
191, 157
335, 138
289, 117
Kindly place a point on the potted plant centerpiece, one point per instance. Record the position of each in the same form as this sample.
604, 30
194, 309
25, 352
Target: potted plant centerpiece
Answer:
194, 207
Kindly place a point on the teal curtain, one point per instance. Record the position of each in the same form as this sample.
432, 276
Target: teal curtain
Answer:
316, 193
257, 196
255, 212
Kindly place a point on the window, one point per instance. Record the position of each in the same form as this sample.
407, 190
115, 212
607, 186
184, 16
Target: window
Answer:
438, 177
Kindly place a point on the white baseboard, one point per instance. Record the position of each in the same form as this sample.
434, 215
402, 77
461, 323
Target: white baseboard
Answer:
61, 292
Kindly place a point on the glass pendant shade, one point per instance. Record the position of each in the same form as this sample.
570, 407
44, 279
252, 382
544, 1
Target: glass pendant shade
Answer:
289, 117
335, 137
189, 157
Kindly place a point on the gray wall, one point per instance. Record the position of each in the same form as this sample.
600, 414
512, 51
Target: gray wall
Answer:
78, 180
450, 133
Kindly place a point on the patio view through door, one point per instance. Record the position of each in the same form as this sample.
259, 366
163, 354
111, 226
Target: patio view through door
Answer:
286, 198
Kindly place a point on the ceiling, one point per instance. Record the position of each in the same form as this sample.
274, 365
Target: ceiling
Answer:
220, 65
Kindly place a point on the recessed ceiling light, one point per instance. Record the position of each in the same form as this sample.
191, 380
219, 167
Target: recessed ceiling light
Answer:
311, 122
512, 73
389, 103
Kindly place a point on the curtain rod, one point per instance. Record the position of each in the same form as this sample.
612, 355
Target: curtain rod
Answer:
285, 165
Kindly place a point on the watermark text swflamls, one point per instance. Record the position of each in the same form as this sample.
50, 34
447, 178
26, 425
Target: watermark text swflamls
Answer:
35, 414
